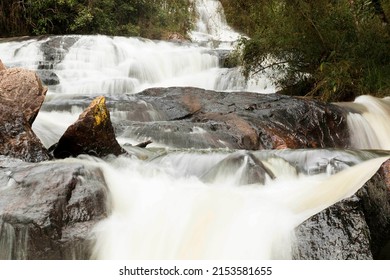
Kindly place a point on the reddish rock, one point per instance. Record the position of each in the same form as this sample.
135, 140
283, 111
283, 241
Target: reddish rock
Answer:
91, 134
24, 90
243, 132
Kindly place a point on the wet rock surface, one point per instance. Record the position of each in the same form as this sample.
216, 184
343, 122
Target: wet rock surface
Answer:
91, 134
16, 136
239, 120
47, 210
354, 228
339, 232
251, 170
375, 200
54, 50
21, 97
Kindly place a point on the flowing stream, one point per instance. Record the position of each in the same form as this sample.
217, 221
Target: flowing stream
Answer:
197, 204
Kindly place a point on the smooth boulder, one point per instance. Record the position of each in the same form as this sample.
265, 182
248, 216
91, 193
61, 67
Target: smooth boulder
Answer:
24, 89
47, 210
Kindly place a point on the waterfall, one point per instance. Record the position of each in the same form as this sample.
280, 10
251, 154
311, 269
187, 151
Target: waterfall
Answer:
107, 65
198, 203
211, 27
163, 213
368, 122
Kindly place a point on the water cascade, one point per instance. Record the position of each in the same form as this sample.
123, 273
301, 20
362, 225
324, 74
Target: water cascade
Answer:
198, 203
160, 212
211, 27
368, 121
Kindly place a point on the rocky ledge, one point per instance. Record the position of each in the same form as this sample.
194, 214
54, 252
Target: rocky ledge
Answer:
197, 118
47, 210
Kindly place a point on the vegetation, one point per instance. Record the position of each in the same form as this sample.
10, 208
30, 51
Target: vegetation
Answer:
329, 49
147, 18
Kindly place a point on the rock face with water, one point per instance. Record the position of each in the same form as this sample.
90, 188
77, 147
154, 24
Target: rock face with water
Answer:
197, 118
91, 134
354, 228
244, 120
47, 210
254, 171
54, 49
21, 97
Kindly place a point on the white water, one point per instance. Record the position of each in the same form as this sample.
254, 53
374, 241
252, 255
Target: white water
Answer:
211, 27
107, 65
162, 209
369, 122
157, 214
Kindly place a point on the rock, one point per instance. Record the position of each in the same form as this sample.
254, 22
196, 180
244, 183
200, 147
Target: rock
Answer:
16, 136
54, 49
2, 67
175, 37
24, 89
48, 77
252, 170
197, 118
21, 97
354, 228
375, 200
339, 232
250, 120
47, 210
91, 134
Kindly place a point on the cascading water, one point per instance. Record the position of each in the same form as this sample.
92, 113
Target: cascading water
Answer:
211, 28
368, 121
199, 204
161, 211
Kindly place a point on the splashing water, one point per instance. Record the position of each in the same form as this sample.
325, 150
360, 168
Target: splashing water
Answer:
368, 122
160, 212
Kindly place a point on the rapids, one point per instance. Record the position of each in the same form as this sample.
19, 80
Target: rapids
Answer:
197, 204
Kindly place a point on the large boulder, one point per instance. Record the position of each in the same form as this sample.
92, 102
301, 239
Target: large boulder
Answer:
340, 232
354, 228
21, 97
47, 210
91, 134
375, 201
197, 118
24, 89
